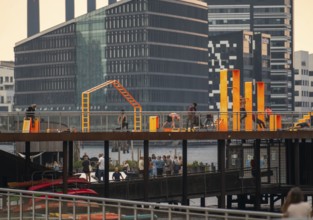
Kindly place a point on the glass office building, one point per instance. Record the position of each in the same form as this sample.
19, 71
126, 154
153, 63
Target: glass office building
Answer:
273, 17
157, 49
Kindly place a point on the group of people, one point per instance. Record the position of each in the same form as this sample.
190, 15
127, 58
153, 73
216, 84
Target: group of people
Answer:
161, 165
88, 168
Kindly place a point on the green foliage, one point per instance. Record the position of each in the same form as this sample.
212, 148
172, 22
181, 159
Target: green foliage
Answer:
77, 164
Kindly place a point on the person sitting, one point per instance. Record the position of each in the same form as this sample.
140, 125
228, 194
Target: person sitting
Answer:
171, 120
30, 113
208, 122
260, 123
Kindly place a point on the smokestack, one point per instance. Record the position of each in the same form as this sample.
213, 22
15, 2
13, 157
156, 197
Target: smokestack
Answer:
91, 5
111, 1
69, 9
33, 25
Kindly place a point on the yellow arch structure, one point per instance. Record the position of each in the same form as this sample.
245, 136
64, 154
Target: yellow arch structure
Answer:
118, 86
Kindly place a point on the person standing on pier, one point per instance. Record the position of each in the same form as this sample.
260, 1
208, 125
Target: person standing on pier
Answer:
243, 112
101, 167
86, 167
191, 115
122, 120
295, 207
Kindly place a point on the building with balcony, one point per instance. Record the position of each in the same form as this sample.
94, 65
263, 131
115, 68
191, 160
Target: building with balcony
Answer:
243, 50
157, 49
303, 64
6, 86
273, 17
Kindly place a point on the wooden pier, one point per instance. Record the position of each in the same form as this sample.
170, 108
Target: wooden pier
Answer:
296, 145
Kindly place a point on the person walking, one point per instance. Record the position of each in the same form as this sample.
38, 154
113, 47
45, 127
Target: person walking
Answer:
295, 207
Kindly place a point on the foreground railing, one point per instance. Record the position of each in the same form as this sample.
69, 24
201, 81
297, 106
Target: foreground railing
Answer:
107, 121
19, 204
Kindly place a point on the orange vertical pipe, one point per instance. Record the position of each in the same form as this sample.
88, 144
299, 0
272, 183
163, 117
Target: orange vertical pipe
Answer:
236, 100
260, 102
248, 106
223, 101
278, 121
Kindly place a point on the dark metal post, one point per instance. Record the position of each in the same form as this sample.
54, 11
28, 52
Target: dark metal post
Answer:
27, 160
106, 169
221, 168
257, 202
184, 176
297, 162
146, 169
65, 167
70, 158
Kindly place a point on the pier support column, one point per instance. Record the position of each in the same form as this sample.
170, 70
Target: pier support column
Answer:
27, 160
221, 145
297, 162
184, 176
65, 166
70, 158
257, 202
146, 169
202, 201
106, 169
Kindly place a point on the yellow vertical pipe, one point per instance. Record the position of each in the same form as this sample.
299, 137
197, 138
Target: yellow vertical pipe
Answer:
236, 100
248, 106
273, 122
223, 101
260, 102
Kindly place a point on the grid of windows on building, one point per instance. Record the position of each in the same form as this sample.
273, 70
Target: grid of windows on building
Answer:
156, 49
303, 81
6, 86
267, 16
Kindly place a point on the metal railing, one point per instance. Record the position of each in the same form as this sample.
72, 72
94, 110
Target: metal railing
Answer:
19, 204
107, 121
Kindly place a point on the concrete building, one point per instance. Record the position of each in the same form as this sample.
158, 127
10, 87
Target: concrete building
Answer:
6, 86
273, 17
157, 49
303, 64
242, 50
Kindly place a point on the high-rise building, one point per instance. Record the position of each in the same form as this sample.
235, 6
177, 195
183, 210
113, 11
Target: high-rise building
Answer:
91, 5
157, 49
274, 17
303, 81
33, 17
69, 10
243, 50
6, 86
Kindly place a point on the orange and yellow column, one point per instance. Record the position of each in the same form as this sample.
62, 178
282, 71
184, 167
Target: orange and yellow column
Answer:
260, 102
223, 125
248, 106
236, 100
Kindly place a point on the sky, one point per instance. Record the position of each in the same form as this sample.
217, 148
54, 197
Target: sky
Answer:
13, 21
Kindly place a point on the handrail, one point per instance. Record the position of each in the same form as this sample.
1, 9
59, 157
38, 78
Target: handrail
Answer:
120, 207
107, 121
